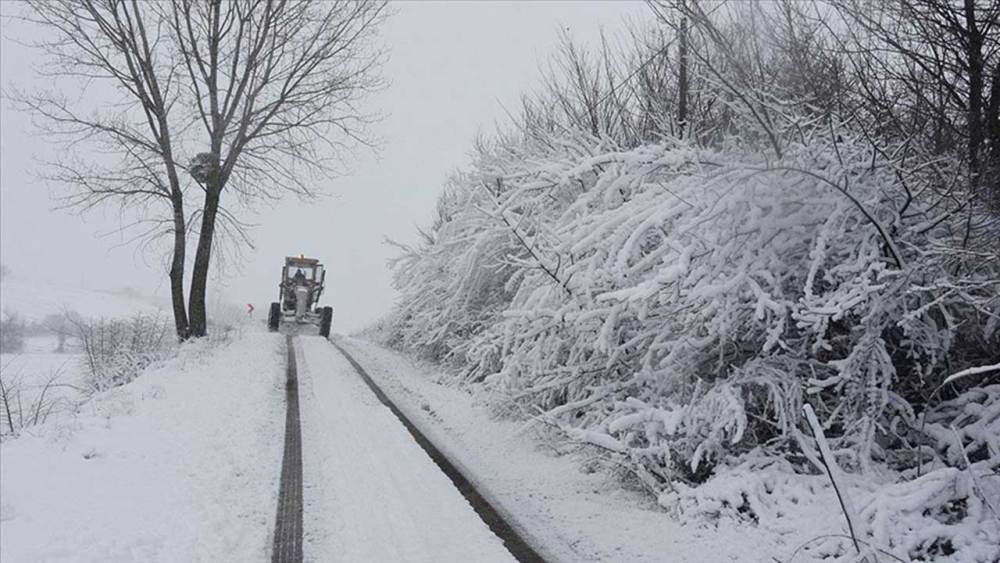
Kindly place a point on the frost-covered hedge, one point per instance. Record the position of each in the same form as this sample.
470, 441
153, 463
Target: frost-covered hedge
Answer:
675, 306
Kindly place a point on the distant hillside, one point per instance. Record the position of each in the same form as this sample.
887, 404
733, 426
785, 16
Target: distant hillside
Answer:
33, 300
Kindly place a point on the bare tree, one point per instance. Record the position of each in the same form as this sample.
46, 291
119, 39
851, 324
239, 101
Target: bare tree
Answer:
942, 59
683, 88
120, 152
276, 86
608, 93
260, 95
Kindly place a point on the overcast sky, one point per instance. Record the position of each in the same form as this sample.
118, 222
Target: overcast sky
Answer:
454, 67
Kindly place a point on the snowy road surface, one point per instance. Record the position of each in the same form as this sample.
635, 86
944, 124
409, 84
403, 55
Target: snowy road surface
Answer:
371, 493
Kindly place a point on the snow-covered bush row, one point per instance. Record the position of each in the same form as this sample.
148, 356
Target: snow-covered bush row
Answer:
116, 351
674, 306
682, 303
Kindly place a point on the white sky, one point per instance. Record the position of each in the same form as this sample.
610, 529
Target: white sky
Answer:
454, 67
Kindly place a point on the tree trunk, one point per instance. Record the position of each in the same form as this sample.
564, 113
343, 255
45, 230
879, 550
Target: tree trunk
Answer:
177, 272
202, 260
975, 111
993, 133
682, 79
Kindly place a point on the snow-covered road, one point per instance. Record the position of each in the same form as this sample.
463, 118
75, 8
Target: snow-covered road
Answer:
371, 493
183, 465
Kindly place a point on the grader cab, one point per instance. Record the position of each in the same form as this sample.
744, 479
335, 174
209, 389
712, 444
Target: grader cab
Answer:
302, 283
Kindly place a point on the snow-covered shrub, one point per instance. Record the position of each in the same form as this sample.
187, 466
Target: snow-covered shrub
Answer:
227, 321
677, 305
949, 514
673, 305
12, 333
116, 351
383, 331
59, 326
455, 284
757, 491
965, 429
23, 406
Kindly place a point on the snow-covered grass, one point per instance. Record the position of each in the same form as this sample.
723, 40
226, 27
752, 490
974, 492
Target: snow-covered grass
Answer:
37, 384
181, 464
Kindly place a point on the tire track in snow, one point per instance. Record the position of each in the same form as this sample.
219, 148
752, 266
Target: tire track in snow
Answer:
288, 523
514, 543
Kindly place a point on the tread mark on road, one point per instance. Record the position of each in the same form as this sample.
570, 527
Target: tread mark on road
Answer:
288, 523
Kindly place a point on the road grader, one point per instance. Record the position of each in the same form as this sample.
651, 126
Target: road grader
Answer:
302, 283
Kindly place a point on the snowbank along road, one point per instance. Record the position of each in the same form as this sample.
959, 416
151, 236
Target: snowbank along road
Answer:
371, 493
180, 465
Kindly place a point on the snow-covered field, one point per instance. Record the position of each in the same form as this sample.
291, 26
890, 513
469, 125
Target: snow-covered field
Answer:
180, 465
33, 300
